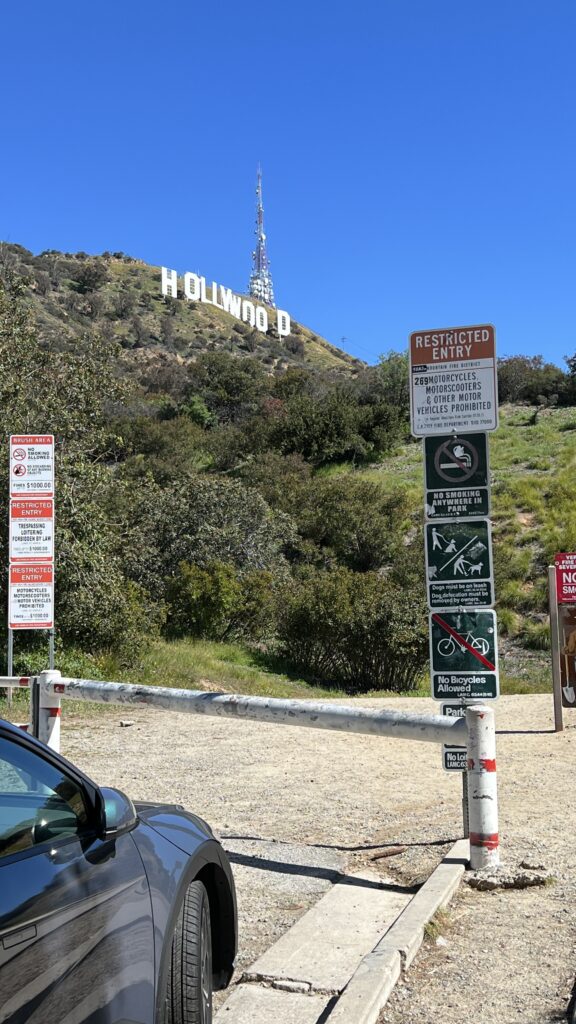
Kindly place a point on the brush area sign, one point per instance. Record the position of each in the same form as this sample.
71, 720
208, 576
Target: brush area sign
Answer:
453, 380
31, 466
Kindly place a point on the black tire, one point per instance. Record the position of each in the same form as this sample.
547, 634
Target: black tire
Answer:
189, 990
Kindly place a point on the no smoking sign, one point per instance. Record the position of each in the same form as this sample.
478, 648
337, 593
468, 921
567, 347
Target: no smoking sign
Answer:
456, 476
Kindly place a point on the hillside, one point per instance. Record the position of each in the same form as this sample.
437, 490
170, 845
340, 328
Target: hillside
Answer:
279, 511
72, 295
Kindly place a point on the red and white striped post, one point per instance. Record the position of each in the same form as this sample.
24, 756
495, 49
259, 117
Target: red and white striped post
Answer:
49, 708
482, 787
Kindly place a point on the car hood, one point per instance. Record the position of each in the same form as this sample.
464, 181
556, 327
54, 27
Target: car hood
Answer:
180, 827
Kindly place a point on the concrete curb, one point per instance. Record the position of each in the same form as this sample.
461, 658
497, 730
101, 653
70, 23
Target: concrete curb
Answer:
372, 982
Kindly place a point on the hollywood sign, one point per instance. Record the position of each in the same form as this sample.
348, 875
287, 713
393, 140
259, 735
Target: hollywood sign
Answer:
194, 290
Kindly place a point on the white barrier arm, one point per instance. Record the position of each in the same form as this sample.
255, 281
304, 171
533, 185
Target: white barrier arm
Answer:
313, 714
15, 682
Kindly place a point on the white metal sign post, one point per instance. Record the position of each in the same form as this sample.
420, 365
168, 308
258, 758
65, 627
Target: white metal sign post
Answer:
453, 403
31, 544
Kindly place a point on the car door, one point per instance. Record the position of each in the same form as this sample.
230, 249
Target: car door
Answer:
76, 931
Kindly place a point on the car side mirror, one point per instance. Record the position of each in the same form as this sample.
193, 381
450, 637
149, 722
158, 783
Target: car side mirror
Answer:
119, 812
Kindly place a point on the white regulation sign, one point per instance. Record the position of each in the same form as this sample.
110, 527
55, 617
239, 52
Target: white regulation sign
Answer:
32, 466
31, 597
453, 380
32, 530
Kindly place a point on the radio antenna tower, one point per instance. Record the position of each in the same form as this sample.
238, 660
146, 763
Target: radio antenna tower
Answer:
261, 287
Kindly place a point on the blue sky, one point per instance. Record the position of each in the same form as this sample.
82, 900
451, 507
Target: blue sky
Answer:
418, 157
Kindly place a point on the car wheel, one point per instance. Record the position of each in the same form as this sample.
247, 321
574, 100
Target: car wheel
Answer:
189, 993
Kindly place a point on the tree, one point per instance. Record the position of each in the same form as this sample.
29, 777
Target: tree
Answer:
124, 303
89, 276
232, 388
322, 428
362, 524
525, 378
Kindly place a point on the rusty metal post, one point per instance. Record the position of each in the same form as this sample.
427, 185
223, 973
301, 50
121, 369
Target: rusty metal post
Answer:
555, 650
482, 787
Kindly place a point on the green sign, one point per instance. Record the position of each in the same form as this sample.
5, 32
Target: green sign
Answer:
456, 476
459, 564
464, 655
463, 641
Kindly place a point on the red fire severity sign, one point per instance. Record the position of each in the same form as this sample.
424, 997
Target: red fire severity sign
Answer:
565, 564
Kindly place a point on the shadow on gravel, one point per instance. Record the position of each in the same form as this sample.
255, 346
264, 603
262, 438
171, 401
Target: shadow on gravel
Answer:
525, 732
344, 849
312, 871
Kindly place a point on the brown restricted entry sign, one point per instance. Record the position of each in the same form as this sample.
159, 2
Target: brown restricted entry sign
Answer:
453, 380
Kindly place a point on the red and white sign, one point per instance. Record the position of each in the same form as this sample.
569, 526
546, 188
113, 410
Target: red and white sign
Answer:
453, 380
31, 597
565, 577
32, 466
32, 530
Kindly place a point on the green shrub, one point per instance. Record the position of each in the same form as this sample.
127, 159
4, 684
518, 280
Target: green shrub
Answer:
357, 631
535, 636
202, 602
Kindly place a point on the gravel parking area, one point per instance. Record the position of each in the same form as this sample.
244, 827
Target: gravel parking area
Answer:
319, 801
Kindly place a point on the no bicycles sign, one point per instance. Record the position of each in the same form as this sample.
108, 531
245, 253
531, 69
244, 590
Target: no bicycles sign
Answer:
464, 655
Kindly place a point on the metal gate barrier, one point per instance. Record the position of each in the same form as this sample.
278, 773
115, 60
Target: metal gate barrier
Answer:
476, 732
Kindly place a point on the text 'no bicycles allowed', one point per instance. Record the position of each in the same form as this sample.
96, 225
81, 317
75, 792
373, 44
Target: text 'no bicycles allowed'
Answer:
464, 655
459, 564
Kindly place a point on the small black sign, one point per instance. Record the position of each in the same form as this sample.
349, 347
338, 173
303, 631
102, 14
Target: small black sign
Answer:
456, 476
459, 564
454, 759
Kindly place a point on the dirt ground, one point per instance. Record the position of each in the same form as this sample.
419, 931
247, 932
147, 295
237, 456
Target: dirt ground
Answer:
334, 800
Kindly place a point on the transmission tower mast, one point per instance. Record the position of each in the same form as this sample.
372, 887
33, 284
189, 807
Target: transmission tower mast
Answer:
261, 287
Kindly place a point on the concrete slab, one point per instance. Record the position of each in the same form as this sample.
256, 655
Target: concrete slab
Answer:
327, 944
252, 1004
